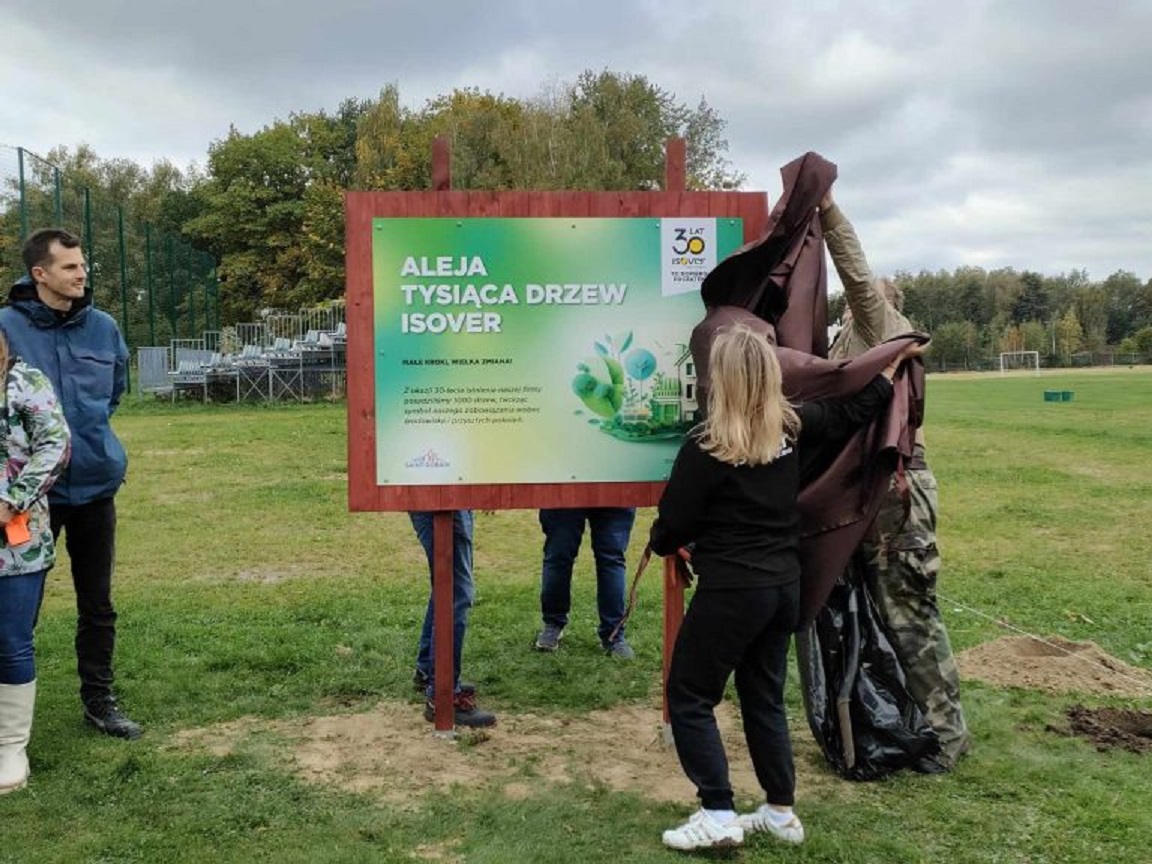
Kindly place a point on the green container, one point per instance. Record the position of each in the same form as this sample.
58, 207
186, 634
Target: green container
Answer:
1066, 395
1051, 395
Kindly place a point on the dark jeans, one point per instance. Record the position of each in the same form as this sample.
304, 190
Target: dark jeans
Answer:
20, 598
90, 537
563, 532
463, 590
745, 631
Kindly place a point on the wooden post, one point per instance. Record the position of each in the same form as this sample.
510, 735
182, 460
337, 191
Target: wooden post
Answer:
675, 165
443, 615
441, 164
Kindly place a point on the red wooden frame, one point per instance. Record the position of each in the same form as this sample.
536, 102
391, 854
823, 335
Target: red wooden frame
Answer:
362, 207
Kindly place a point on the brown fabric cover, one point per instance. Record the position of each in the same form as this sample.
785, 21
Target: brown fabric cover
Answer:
781, 279
763, 276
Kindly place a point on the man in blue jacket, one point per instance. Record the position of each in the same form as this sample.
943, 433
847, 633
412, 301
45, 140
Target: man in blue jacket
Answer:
51, 324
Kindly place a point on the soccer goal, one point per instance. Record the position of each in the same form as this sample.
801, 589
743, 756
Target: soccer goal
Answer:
1026, 360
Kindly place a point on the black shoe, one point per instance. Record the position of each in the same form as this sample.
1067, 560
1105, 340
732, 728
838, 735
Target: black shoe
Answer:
106, 717
466, 711
421, 682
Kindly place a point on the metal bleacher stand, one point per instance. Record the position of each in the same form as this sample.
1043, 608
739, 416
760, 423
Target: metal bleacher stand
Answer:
307, 364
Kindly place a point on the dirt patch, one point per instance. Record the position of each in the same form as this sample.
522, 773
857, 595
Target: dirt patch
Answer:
1053, 665
390, 751
1111, 728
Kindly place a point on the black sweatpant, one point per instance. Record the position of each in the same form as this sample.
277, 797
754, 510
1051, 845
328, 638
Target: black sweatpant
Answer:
745, 631
90, 536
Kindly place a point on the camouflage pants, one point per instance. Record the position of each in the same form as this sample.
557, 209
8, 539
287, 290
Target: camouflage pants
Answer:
902, 566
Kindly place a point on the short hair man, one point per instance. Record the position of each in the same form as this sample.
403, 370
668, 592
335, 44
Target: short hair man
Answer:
50, 323
903, 561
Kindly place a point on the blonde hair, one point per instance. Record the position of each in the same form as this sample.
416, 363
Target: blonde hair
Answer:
748, 419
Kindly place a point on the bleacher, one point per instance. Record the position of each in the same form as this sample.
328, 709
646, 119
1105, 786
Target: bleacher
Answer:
282, 362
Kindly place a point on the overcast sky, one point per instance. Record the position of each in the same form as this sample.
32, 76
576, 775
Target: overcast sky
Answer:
988, 133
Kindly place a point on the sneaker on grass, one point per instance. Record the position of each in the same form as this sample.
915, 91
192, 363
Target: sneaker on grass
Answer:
104, 715
782, 824
548, 639
701, 831
619, 649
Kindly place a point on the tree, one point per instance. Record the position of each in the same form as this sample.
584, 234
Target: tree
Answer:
1122, 295
954, 344
1032, 302
270, 210
1069, 335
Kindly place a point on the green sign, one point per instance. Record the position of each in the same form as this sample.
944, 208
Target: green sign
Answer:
537, 350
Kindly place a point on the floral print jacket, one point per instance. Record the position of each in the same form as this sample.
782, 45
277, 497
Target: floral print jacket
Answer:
34, 444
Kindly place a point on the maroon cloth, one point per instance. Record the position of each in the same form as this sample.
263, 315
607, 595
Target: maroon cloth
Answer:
839, 501
716, 319
781, 278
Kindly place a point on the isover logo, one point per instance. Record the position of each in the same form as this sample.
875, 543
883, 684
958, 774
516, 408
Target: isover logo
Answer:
687, 252
688, 245
428, 459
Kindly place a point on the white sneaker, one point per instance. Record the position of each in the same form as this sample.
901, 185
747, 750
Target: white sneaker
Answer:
701, 831
785, 826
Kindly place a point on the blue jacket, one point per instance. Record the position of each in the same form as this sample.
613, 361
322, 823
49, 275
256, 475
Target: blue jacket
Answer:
85, 358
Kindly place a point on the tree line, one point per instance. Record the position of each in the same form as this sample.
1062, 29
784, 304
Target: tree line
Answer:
974, 314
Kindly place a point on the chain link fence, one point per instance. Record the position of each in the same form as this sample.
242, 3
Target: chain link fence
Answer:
154, 283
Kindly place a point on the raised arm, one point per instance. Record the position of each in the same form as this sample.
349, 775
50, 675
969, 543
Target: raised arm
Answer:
870, 309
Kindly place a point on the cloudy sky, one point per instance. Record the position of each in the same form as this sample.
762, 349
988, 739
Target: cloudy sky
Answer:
991, 132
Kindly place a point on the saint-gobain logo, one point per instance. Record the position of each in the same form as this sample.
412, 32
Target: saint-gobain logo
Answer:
428, 459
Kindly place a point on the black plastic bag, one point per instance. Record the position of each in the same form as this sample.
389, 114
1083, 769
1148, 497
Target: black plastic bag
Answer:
858, 707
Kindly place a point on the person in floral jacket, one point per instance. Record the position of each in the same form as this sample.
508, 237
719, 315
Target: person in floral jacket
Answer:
34, 446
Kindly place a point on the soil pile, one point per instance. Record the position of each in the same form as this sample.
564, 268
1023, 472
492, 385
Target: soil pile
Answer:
1053, 665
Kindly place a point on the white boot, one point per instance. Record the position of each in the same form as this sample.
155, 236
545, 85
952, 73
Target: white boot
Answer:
16, 704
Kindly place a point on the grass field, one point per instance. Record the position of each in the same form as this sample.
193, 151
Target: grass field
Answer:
259, 620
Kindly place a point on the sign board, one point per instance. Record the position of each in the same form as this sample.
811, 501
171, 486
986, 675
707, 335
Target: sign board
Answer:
536, 350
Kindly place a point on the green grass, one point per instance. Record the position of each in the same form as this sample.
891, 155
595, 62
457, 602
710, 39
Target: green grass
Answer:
246, 590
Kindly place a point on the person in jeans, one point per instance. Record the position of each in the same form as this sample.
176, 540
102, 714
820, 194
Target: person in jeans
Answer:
34, 449
732, 494
467, 712
51, 324
611, 528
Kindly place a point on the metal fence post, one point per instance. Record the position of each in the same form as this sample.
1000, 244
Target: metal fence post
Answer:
89, 241
148, 280
23, 198
169, 259
124, 288
59, 200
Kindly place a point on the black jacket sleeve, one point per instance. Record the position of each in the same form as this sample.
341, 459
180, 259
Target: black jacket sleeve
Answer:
836, 419
684, 498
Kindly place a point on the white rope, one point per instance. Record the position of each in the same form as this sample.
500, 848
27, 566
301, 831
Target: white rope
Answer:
1143, 685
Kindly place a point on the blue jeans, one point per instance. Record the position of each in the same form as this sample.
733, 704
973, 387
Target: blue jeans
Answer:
463, 591
563, 531
20, 598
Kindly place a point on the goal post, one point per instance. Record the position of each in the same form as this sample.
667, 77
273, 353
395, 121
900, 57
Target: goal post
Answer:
1026, 360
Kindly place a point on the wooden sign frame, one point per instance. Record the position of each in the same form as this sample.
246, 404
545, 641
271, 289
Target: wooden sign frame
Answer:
360, 208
